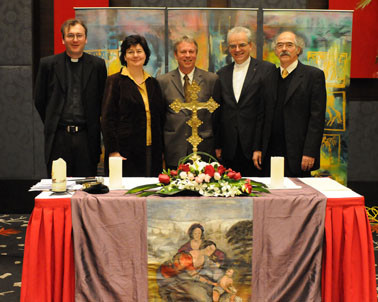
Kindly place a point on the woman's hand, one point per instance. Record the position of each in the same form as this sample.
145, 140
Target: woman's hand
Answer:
117, 154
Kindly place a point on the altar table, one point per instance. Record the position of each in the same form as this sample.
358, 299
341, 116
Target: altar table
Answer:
348, 262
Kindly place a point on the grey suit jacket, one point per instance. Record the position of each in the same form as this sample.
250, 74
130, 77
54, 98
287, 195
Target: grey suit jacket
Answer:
304, 115
176, 131
50, 95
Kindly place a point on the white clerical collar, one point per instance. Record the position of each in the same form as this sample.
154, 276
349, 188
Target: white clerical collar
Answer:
74, 60
243, 65
291, 67
190, 76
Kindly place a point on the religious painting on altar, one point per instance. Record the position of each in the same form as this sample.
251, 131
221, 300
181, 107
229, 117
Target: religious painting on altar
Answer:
328, 37
107, 27
209, 28
199, 251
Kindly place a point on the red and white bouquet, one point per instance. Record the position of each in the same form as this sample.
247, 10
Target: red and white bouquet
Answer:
205, 178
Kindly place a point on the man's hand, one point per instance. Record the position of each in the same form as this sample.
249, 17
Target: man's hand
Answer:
307, 162
257, 159
218, 153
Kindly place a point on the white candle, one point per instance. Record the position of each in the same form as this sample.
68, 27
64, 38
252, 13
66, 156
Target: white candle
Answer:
115, 172
58, 175
276, 172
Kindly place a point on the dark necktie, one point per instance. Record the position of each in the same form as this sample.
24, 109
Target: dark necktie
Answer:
186, 88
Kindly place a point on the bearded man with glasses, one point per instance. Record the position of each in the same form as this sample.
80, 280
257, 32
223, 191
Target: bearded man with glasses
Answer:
68, 94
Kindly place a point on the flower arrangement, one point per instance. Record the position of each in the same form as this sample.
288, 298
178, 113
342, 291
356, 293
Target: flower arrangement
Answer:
206, 179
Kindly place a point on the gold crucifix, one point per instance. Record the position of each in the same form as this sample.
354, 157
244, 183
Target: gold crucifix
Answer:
194, 105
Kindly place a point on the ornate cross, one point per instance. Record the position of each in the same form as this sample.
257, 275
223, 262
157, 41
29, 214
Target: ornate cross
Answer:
194, 105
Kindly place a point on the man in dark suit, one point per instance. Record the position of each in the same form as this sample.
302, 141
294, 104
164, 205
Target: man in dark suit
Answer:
68, 94
238, 92
176, 130
292, 121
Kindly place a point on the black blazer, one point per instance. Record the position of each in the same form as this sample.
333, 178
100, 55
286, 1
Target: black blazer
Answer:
124, 123
304, 115
50, 94
238, 119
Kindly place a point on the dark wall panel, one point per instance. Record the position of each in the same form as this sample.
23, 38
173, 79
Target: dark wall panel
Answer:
297, 4
363, 141
16, 124
15, 32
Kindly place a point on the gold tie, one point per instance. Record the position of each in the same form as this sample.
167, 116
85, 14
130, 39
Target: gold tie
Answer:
284, 73
186, 87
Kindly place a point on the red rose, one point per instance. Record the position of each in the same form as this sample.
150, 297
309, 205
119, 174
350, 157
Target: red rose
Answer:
237, 176
209, 170
184, 167
164, 179
231, 174
173, 173
248, 188
221, 169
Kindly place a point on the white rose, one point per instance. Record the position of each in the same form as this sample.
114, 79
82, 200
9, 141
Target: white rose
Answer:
207, 178
190, 176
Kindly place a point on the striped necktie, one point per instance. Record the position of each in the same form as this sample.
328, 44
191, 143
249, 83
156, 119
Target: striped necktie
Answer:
186, 88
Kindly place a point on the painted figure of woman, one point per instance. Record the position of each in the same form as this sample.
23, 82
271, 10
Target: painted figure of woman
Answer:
180, 279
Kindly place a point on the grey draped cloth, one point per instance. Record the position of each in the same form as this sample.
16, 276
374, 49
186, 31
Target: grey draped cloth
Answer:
287, 245
110, 246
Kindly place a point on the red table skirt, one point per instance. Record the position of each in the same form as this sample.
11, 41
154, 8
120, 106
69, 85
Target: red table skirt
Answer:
48, 272
348, 265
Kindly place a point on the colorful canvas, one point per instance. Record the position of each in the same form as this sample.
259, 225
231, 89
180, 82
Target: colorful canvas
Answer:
328, 36
209, 28
328, 46
199, 250
108, 27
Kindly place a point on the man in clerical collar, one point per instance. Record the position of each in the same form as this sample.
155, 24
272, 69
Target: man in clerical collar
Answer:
294, 111
68, 95
238, 92
174, 86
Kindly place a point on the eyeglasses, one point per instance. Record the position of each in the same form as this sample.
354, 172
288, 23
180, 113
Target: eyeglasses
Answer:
280, 45
241, 45
72, 36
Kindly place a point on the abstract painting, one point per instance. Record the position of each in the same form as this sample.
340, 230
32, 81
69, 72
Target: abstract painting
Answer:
328, 36
107, 27
209, 28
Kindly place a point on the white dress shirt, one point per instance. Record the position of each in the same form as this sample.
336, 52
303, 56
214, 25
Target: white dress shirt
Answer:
238, 77
190, 76
291, 67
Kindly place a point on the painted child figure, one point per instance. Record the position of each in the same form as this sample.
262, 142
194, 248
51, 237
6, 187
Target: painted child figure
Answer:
225, 285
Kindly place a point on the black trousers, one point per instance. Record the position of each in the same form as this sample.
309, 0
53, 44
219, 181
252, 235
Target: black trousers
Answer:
241, 164
288, 172
73, 148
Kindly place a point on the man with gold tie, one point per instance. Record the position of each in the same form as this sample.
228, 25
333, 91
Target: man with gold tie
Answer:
291, 123
174, 87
